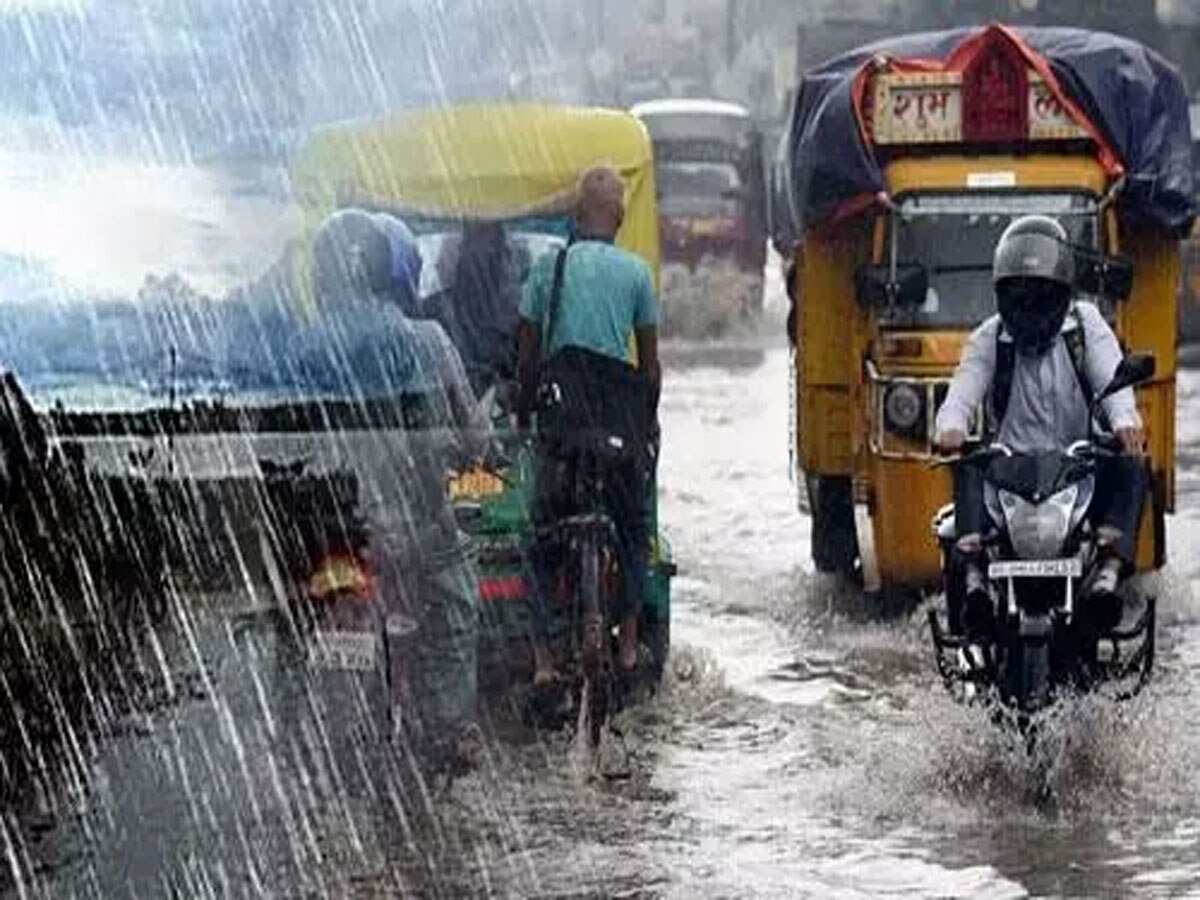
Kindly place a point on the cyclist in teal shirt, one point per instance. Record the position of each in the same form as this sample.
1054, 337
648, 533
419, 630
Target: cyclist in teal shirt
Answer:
607, 295
605, 300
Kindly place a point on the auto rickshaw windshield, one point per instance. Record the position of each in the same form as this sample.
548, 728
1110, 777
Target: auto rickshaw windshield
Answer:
954, 237
699, 188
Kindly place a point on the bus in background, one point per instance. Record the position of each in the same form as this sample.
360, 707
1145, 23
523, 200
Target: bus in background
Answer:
712, 209
1189, 307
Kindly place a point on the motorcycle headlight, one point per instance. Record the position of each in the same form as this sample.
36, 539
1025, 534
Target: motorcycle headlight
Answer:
1038, 530
904, 409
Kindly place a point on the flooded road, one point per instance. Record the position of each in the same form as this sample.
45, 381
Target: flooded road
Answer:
798, 749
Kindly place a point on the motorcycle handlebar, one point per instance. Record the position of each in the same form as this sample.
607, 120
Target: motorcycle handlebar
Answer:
1101, 447
975, 454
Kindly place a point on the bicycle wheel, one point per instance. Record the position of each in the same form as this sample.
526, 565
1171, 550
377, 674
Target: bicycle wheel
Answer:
596, 642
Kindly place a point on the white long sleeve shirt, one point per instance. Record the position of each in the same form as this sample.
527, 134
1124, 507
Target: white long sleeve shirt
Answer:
1046, 409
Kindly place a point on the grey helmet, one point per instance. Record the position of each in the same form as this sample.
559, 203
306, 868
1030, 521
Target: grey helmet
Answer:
1034, 274
1034, 247
351, 252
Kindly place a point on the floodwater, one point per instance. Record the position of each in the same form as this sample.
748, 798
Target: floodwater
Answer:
799, 746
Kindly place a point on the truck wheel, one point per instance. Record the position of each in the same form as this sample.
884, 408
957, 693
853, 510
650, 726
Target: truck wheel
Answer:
834, 540
894, 601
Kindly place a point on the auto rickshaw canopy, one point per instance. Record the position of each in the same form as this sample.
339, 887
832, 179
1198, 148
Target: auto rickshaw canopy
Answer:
479, 162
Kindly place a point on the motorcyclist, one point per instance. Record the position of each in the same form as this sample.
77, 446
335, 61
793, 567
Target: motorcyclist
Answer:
1033, 369
362, 345
580, 309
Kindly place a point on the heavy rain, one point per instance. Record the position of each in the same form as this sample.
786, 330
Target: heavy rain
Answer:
349, 547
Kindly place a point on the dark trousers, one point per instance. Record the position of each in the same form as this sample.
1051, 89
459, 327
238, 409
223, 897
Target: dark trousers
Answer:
1121, 483
586, 392
625, 502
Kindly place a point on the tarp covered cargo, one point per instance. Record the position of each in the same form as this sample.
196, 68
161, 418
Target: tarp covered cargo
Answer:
1126, 97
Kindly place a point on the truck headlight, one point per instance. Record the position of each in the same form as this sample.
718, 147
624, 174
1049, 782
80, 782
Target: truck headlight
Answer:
904, 409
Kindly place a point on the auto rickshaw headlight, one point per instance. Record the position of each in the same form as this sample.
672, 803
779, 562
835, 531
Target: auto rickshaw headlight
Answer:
904, 409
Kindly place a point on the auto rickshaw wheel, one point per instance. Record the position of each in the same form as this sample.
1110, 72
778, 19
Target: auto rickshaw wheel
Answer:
834, 539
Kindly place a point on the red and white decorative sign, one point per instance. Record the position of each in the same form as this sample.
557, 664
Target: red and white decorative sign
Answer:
927, 108
1048, 118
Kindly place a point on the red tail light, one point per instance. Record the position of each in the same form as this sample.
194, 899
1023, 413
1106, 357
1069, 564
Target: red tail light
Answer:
502, 589
341, 575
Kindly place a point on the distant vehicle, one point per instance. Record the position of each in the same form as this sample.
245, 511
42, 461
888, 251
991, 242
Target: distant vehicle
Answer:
712, 197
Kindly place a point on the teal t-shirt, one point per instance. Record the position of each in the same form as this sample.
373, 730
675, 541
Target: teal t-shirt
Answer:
607, 292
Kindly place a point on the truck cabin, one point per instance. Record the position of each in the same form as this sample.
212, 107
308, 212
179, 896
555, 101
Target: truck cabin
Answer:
964, 154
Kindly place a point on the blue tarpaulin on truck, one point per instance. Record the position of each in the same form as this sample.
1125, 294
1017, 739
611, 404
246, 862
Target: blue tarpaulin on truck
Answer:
1133, 98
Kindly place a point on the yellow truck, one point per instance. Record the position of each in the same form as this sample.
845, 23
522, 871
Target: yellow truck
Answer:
903, 163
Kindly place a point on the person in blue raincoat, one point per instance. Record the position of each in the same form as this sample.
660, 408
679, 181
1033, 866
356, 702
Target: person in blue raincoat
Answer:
363, 345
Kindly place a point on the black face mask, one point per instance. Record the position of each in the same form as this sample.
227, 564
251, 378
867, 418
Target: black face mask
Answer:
1033, 311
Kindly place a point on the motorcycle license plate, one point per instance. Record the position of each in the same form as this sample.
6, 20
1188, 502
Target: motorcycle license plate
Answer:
476, 484
1036, 568
345, 651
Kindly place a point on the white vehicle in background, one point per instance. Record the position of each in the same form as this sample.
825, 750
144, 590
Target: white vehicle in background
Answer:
708, 166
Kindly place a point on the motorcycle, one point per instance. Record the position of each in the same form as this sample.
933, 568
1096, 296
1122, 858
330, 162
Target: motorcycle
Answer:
1040, 554
345, 660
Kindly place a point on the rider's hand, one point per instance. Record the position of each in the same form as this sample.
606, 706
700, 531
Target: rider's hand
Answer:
1133, 441
950, 441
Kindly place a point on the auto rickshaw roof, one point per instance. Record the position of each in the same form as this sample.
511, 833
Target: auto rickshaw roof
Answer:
471, 161
1126, 100
477, 162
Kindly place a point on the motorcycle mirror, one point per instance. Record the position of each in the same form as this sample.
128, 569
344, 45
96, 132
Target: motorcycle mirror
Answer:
1104, 276
1132, 370
875, 285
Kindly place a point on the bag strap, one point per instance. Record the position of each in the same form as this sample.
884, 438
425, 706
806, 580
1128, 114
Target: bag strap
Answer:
1076, 342
560, 266
1002, 382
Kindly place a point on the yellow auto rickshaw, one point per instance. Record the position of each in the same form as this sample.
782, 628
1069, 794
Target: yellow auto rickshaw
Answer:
511, 169
904, 163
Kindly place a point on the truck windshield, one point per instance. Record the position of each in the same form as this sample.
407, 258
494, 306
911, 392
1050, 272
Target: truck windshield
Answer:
954, 236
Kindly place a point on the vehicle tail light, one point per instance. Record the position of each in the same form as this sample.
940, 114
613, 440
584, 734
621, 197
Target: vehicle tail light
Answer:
341, 575
502, 589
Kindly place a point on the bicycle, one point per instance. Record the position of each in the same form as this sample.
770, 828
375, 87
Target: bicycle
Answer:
590, 565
